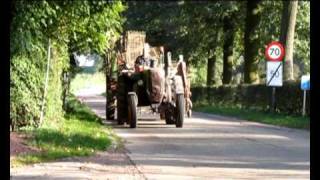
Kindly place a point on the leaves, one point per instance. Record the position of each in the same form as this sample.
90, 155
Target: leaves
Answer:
72, 26
194, 28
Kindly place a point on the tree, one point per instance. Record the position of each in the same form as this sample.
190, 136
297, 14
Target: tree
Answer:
212, 58
229, 35
251, 40
287, 36
190, 28
284, 21
81, 26
205, 21
301, 52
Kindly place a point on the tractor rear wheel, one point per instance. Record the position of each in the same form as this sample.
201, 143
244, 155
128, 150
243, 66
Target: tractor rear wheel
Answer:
179, 110
110, 107
122, 107
132, 110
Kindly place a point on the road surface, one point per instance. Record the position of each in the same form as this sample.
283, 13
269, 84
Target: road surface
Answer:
207, 147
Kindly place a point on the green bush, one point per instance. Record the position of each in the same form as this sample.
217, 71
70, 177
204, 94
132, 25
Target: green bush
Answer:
59, 62
27, 78
289, 97
26, 89
33, 24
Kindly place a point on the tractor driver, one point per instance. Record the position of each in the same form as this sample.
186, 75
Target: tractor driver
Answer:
141, 63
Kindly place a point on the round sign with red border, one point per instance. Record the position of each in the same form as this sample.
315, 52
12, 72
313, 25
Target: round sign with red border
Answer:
274, 51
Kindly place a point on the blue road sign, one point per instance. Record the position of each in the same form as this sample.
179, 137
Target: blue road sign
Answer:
305, 82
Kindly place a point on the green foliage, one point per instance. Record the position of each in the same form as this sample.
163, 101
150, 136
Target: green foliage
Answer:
257, 116
95, 24
269, 30
81, 26
194, 29
85, 80
188, 27
59, 61
25, 91
302, 38
288, 98
198, 76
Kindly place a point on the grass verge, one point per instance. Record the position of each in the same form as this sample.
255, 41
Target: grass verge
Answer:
80, 133
298, 122
86, 80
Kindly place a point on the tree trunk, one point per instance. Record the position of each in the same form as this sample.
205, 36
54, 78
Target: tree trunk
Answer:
212, 58
251, 60
284, 21
211, 69
229, 35
288, 59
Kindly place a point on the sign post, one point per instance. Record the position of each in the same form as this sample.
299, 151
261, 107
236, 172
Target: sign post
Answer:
46, 83
274, 54
304, 103
305, 85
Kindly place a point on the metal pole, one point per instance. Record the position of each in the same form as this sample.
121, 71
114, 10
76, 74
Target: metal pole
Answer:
106, 76
46, 82
273, 99
304, 103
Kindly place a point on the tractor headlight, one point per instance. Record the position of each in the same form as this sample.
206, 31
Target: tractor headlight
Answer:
140, 82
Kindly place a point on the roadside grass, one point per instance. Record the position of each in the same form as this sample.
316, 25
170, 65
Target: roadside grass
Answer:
278, 119
87, 80
80, 133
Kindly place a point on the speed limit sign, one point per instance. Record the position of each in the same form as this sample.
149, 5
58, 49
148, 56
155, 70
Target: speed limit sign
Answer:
274, 54
274, 51
274, 73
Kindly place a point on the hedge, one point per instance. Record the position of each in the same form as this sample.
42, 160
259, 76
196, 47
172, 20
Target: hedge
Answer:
289, 97
27, 77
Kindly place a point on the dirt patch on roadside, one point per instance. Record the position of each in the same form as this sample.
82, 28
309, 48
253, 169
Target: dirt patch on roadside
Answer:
110, 164
18, 144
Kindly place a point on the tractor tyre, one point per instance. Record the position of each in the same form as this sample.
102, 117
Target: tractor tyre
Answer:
179, 110
122, 107
169, 118
132, 110
110, 108
189, 113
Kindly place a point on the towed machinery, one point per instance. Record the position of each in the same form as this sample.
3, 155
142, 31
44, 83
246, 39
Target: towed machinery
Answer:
145, 77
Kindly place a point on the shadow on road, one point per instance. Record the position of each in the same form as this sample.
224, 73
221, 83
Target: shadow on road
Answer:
216, 142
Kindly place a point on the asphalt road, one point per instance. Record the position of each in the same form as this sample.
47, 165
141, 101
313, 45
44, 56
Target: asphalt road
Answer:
207, 147
214, 147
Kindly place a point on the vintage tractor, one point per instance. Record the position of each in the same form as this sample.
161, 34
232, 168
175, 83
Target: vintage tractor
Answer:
145, 77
